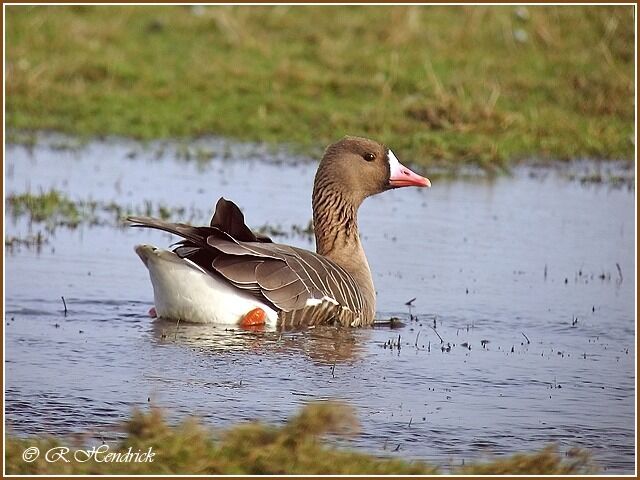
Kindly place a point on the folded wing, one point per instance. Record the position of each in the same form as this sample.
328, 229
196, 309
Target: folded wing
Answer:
285, 277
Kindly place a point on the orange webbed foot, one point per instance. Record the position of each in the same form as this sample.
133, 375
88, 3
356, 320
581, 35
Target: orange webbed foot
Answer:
153, 313
254, 319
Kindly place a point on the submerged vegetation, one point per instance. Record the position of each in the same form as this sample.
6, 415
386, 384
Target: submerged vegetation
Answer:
53, 209
50, 210
300, 446
446, 85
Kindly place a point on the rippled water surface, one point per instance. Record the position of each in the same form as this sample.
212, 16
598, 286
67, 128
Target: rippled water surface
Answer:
518, 275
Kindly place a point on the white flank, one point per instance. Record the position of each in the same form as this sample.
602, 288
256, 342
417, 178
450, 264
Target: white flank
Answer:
182, 290
312, 302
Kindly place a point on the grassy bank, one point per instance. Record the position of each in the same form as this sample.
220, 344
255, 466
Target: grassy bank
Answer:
442, 85
296, 447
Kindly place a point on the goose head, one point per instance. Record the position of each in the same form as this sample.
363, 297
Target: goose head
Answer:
360, 167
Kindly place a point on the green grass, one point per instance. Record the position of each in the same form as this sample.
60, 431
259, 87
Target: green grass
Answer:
300, 446
50, 207
54, 209
480, 85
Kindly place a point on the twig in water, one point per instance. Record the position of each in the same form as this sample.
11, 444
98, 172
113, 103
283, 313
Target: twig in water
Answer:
528, 342
410, 305
65, 306
417, 337
410, 420
333, 370
441, 340
619, 271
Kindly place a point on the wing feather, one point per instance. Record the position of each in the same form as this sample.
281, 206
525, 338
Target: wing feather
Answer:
238, 269
273, 275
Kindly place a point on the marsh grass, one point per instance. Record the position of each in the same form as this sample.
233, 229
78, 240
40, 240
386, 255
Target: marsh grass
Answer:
480, 85
51, 207
54, 209
303, 445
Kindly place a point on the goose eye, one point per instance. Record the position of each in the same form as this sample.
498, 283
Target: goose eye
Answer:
369, 157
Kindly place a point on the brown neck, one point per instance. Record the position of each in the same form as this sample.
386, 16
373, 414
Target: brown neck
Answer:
335, 221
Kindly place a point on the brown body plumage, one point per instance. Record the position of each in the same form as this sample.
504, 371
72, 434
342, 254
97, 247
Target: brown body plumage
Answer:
333, 285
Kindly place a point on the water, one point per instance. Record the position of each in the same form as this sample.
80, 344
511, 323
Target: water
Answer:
513, 261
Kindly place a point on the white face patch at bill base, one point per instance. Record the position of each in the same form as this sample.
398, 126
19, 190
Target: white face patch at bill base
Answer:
401, 176
395, 169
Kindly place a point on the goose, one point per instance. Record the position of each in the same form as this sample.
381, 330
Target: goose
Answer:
226, 274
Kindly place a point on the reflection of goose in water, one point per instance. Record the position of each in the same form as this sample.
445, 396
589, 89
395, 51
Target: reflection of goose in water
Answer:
324, 344
226, 274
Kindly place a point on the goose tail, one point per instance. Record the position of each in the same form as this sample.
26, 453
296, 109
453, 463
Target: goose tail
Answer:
227, 218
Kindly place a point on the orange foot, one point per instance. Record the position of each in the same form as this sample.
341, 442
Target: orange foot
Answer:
254, 319
152, 312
